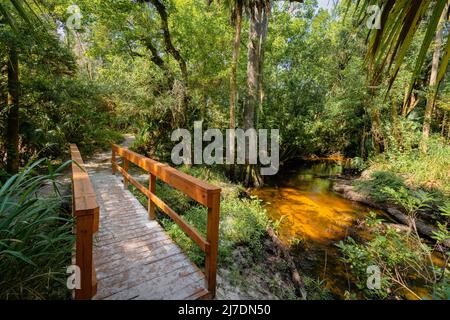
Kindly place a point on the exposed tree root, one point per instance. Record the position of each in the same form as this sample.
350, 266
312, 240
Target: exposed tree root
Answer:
296, 278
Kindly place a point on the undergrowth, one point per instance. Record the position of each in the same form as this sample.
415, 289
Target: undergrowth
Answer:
36, 238
242, 233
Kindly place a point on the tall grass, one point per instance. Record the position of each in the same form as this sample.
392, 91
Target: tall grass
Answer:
35, 236
430, 170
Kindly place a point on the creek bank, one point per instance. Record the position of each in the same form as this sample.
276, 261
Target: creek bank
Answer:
345, 188
273, 277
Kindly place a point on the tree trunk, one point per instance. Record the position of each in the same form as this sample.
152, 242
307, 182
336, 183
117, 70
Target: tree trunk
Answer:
234, 61
252, 65
408, 106
233, 76
12, 130
158, 61
396, 133
251, 175
377, 131
444, 121
433, 79
262, 40
170, 48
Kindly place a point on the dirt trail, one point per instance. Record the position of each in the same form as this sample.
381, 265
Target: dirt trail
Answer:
101, 161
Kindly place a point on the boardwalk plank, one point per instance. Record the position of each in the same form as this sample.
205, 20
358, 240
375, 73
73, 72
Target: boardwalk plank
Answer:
134, 257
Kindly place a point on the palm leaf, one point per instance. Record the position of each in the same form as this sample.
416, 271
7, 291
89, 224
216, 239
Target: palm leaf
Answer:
400, 19
20, 9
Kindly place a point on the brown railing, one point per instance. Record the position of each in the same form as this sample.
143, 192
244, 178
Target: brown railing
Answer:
86, 212
200, 191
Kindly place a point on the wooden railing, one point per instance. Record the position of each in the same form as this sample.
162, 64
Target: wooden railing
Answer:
200, 191
86, 212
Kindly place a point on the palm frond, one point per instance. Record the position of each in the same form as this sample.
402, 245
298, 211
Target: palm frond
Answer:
13, 10
400, 20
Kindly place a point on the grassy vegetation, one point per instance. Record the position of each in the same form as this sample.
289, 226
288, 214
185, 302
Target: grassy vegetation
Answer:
404, 261
428, 170
417, 182
242, 235
36, 238
408, 177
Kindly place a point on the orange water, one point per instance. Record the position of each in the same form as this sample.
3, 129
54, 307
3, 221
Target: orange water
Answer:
314, 219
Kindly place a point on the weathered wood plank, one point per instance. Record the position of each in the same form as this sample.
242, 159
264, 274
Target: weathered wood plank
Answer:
198, 190
134, 256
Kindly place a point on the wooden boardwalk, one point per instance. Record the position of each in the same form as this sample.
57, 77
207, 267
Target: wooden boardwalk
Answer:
133, 256
122, 251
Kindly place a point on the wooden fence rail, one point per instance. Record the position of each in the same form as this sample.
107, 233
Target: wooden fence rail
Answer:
86, 212
200, 191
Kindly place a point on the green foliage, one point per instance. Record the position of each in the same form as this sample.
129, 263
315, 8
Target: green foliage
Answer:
58, 103
379, 181
116, 74
317, 289
358, 164
65, 110
243, 221
443, 233
412, 201
36, 238
408, 177
403, 259
401, 21
426, 170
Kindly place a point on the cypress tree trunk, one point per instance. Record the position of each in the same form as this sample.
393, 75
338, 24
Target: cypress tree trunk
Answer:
252, 66
233, 76
251, 175
12, 126
262, 41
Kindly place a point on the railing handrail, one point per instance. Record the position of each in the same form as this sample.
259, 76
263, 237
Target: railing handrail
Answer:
195, 188
85, 209
200, 191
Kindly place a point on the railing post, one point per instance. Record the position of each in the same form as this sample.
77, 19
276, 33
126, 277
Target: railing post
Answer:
212, 236
113, 160
125, 167
83, 257
152, 188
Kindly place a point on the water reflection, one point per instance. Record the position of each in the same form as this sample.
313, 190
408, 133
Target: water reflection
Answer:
313, 219
313, 216
302, 199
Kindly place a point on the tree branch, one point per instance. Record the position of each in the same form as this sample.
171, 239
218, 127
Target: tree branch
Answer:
170, 48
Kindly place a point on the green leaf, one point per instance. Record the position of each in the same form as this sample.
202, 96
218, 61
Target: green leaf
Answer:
18, 255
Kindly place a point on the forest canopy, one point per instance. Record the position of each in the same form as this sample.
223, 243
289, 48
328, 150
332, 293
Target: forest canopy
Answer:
153, 66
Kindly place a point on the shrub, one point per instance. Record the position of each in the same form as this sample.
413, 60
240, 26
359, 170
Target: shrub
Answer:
428, 170
380, 180
403, 259
243, 221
